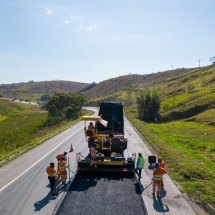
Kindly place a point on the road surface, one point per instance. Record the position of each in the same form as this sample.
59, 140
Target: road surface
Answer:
24, 186
103, 193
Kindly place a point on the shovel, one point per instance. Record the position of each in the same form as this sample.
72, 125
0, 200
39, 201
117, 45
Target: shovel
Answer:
71, 170
147, 186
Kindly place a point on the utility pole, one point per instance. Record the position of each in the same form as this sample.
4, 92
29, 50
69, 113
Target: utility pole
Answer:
199, 63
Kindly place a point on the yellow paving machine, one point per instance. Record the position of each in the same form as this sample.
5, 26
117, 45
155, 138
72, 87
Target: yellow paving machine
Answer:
106, 141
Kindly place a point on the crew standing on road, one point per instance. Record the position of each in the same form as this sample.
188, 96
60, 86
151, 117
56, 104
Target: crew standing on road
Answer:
52, 174
162, 165
139, 165
62, 170
158, 173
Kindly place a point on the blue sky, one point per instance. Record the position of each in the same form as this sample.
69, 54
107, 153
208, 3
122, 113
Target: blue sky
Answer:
95, 40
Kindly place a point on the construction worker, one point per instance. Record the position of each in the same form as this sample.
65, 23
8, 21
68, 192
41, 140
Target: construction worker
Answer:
93, 156
158, 173
58, 157
139, 165
162, 165
62, 170
52, 174
91, 127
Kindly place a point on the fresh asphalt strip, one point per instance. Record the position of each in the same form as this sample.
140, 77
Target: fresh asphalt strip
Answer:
103, 193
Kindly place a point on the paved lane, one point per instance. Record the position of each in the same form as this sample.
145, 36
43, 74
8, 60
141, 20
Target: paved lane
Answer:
106, 194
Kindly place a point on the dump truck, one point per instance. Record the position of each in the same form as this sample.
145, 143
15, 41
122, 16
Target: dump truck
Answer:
106, 141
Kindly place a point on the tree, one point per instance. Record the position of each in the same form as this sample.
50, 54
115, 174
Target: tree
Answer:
212, 60
148, 105
65, 106
45, 98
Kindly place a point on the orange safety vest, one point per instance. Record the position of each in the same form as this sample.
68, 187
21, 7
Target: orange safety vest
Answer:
60, 156
158, 174
62, 166
51, 171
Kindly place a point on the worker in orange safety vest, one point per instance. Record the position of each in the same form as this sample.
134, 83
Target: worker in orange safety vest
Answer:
58, 157
52, 174
162, 165
62, 170
158, 173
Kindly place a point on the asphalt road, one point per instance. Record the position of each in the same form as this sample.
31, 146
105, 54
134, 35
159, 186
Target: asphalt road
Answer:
24, 186
103, 193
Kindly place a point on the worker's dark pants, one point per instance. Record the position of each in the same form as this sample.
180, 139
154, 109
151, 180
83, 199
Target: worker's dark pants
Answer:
138, 171
52, 183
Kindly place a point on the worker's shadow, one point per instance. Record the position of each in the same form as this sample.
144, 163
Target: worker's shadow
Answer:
159, 206
43, 202
61, 188
139, 188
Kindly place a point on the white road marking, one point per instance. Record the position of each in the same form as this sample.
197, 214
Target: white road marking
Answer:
37, 161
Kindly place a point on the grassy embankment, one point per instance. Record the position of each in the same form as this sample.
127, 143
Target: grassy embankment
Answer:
186, 140
21, 127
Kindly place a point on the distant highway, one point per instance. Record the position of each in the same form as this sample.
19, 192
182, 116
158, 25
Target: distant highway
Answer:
24, 186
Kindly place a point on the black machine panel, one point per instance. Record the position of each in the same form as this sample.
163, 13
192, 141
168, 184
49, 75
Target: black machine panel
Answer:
113, 113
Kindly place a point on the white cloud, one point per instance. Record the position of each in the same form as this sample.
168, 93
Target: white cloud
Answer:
49, 12
91, 27
88, 27
66, 21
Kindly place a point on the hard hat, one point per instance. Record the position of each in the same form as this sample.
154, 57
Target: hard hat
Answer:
63, 158
157, 166
51, 164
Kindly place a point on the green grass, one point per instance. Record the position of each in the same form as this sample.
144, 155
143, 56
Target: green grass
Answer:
189, 150
22, 127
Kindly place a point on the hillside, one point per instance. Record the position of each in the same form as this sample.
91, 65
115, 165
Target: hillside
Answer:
184, 93
133, 81
34, 90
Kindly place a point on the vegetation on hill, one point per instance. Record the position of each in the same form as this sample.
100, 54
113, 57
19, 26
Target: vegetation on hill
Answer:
63, 106
33, 91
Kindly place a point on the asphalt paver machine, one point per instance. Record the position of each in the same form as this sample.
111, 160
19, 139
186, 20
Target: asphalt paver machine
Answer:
106, 141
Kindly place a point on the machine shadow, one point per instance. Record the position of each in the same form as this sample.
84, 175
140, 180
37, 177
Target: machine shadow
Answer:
83, 181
